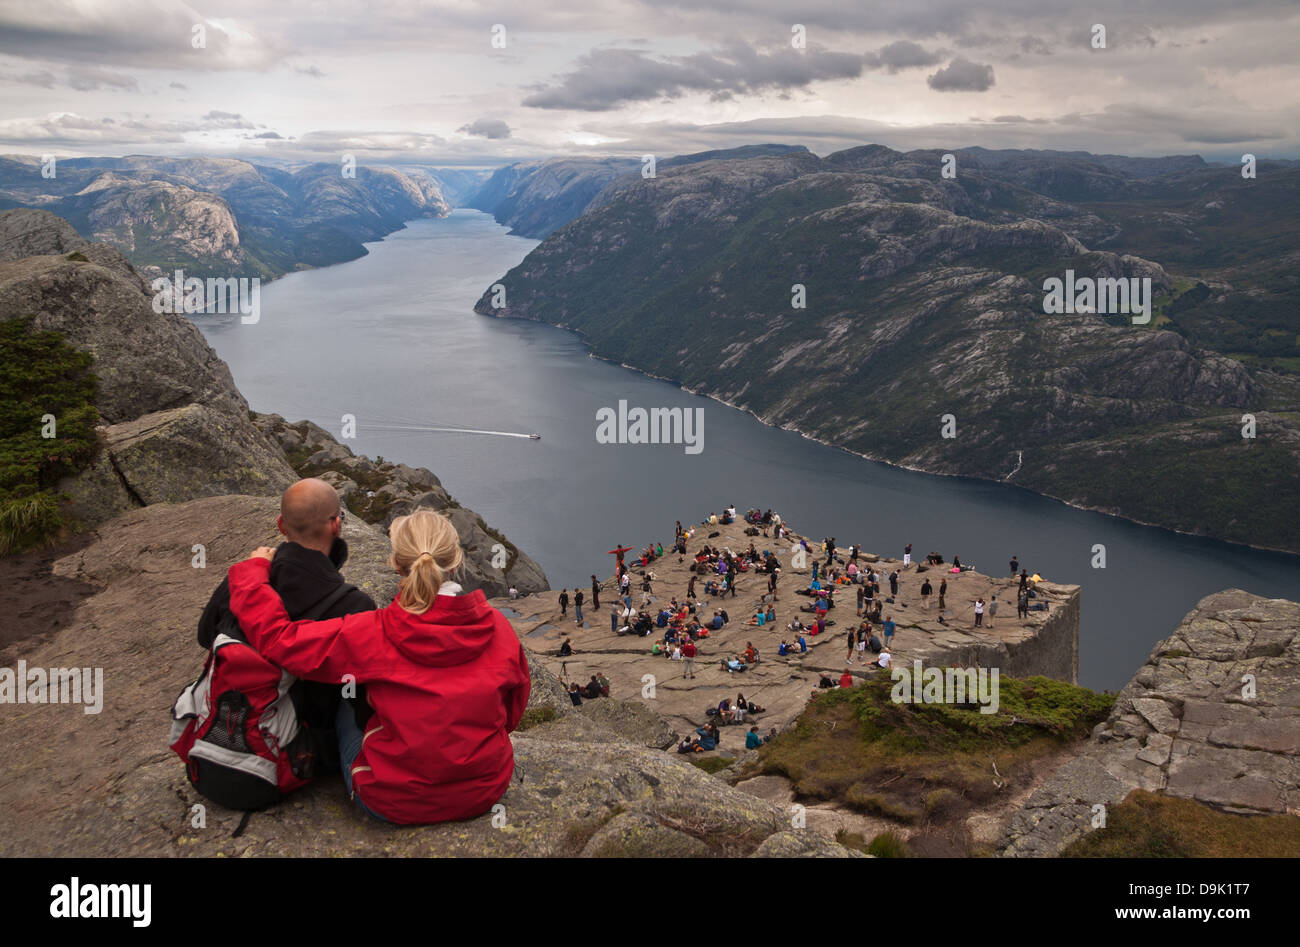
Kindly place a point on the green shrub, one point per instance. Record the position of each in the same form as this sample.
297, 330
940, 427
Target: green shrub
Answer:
536, 716
40, 374
888, 845
711, 764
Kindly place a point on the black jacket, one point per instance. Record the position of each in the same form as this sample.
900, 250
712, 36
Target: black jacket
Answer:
302, 577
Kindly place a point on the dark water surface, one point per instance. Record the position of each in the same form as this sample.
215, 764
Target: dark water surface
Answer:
392, 339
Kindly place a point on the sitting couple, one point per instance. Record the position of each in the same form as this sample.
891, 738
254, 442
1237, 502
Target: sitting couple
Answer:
440, 679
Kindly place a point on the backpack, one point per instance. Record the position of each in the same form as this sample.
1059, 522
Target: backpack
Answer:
236, 727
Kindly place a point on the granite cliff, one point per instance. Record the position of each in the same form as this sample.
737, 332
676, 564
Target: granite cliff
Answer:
862, 299
225, 216
173, 426
1213, 716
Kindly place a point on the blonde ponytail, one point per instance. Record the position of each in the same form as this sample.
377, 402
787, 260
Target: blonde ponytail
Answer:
426, 550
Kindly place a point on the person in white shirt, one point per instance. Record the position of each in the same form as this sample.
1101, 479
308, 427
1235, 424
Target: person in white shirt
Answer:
883, 660
979, 612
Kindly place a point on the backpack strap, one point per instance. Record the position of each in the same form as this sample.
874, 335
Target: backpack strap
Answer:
317, 611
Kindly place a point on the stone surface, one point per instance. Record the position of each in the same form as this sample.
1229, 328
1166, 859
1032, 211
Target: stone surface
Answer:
1046, 643
1189, 726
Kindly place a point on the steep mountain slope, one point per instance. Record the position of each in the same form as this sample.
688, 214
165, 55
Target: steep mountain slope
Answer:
924, 299
173, 425
224, 216
535, 198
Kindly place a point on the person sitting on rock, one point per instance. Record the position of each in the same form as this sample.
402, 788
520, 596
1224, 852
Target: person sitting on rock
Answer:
444, 672
825, 681
566, 649
710, 736
575, 695
689, 746
752, 740
304, 570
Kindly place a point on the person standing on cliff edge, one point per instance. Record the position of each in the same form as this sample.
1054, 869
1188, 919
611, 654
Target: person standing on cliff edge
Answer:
595, 593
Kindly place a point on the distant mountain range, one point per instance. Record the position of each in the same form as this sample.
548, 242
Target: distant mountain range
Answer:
225, 216
925, 298
534, 198
924, 295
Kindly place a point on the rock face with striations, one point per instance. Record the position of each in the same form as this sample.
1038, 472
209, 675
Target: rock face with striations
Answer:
175, 427
860, 298
225, 216
1214, 716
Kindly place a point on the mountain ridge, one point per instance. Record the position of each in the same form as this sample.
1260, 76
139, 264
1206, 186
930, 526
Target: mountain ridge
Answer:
925, 294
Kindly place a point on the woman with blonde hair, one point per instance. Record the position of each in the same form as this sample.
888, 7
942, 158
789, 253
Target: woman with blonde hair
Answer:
443, 671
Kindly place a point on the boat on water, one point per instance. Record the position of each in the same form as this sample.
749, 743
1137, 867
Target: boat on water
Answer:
534, 437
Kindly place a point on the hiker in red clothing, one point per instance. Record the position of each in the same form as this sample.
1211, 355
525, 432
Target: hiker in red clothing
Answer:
688, 657
846, 679
443, 671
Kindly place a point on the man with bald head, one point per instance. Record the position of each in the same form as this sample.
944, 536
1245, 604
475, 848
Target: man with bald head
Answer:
304, 572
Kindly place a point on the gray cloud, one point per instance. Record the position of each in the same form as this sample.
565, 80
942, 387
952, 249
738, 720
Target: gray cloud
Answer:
962, 75
43, 79
607, 78
216, 119
88, 78
382, 143
486, 128
903, 54
153, 32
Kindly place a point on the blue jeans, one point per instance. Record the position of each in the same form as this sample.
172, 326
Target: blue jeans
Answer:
578, 610
350, 737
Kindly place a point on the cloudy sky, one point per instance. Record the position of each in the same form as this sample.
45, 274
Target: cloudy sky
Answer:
476, 83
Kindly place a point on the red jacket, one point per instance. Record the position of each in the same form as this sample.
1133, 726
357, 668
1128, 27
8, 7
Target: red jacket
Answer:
688, 649
447, 688
846, 679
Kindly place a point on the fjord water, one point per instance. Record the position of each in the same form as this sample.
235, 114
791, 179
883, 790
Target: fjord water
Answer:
392, 339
